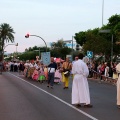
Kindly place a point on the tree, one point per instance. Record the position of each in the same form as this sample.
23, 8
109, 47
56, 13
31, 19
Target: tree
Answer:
101, 43
59, 44
6, 35
113, 21
80, 38
117, 32
59, 49
30, 55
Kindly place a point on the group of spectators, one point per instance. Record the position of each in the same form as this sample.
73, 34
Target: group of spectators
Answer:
103, 70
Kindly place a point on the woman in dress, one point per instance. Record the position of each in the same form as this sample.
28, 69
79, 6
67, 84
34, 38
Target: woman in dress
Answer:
41, 75
46, 72
66, 66
35, 74
58, 76
26, 65
115, 75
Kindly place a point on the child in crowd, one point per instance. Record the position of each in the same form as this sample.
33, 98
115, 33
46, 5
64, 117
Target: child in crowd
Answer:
41, 75
35, 74
46, 72
58, 75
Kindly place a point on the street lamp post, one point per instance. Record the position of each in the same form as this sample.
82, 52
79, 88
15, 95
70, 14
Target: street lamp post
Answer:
102, 11
108, 31
112, 48
39, 52
27, 36
72, 45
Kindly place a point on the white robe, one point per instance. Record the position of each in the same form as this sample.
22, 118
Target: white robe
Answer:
118, 84
80, 88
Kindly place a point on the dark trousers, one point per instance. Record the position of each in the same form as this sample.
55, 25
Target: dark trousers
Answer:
101, 75
51, 78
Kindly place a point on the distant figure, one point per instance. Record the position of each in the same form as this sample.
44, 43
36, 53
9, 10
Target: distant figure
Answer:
118, 85
51, 72
76, 58
35, 74
41, 77
46, 72
80, 88
58, 76
1, 67
66, 66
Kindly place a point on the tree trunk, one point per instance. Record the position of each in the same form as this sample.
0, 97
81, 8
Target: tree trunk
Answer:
2, 49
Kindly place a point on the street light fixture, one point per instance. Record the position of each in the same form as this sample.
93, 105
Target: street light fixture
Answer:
27, 36
16, 44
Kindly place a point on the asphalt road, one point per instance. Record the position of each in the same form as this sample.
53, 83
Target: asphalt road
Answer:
25, 99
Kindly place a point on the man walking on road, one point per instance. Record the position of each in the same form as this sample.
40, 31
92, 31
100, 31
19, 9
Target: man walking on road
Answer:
51, 72
80, 88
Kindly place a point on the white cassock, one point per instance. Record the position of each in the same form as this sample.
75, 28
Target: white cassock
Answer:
80, 88
118, 84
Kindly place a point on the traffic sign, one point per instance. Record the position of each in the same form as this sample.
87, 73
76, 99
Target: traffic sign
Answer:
45, 56
89, 54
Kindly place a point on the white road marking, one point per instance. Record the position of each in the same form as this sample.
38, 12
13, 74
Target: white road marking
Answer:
84, 113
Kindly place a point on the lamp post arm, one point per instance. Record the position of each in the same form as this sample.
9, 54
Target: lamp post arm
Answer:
42, 39
9, 44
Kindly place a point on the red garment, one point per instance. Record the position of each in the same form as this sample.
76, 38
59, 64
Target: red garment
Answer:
35, 75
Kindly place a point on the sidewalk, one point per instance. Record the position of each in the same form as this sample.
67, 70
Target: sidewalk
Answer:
108, 80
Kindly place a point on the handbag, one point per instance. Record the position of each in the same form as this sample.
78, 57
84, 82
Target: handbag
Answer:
66, 72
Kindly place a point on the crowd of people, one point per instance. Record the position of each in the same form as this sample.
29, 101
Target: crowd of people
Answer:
103, 71
57, 72
33, 69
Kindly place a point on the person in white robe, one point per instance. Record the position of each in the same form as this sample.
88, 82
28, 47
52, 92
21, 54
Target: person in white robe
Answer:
80, 88
118, 85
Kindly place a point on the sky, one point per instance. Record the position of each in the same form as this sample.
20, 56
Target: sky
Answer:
53, 19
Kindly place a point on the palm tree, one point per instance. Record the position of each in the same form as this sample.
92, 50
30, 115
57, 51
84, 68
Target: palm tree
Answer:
6, 35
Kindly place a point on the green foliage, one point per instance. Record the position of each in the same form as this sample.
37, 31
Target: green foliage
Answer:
80, 38
100, 43
6, 35
36, 48
117, 31
59, 49
58, 45
31, 55
113, 21
97, 44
